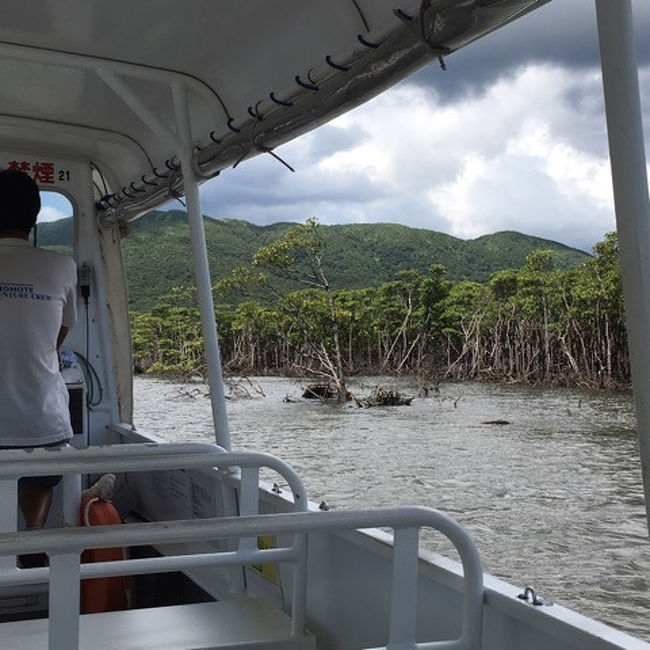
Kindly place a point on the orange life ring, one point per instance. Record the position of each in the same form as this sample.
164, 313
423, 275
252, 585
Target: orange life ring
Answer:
103, 594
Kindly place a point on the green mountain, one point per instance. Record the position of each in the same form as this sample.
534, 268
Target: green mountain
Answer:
157, 252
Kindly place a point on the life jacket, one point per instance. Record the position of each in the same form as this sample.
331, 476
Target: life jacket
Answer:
103, 594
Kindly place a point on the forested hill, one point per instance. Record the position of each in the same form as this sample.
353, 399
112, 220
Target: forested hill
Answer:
158, 257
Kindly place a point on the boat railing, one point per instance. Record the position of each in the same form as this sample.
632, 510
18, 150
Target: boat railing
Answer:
141, 457
147, 456
64, 545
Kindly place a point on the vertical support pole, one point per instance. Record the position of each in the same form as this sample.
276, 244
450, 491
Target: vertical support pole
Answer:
65, 574
202, 271
299, 592
629, 175
206, 302
71, 495
249, 502
8, 516
181, 142
404, 592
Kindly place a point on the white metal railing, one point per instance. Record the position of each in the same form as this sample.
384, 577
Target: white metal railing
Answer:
140, 456
63, 625
64, 545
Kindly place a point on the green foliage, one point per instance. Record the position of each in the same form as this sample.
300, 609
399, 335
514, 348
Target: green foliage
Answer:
242, 279
167, 338
538, 320
56, 235
296, 256
156, 254
539, 323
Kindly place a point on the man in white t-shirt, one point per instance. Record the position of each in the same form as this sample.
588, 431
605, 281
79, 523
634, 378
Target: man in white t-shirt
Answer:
37, 307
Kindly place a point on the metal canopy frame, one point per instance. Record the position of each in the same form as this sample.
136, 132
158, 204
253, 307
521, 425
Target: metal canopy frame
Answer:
180, 141
340, 54
117, 75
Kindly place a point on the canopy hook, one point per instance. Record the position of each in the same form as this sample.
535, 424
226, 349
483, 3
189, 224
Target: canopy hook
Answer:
402, 15
255, 113
147, 182
336, 66
363, 41
309, 86
137, 189
279, 101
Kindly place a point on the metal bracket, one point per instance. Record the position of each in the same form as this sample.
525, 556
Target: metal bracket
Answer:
530, 596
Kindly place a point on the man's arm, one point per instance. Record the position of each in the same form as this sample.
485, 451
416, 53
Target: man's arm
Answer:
63, 332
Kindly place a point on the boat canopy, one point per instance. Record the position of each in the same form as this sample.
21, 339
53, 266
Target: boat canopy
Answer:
157, 96
103, 81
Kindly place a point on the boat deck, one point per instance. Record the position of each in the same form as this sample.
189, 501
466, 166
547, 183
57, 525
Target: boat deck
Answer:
243, 623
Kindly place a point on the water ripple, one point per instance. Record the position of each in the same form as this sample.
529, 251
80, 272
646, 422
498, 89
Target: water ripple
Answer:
554, 498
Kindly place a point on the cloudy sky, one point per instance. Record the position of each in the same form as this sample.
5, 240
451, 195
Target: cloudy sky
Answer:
510, 137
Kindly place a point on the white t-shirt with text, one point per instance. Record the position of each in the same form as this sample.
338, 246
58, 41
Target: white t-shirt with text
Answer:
37, 297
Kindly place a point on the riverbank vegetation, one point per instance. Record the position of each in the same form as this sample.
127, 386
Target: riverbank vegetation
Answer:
157, 259
536, 324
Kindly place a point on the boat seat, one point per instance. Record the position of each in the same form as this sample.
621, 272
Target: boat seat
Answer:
245, 624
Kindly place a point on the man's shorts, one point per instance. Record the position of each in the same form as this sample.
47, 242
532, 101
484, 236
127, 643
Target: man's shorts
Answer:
42, 481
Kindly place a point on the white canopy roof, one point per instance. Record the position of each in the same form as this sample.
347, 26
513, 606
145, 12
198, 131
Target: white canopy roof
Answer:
100, 80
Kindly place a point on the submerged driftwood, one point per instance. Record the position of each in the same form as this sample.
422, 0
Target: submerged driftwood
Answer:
323, 390
243, 387
383, 397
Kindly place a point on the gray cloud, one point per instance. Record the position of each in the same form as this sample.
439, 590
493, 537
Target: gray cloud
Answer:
264, 183
332, 139
562, 32
511, 137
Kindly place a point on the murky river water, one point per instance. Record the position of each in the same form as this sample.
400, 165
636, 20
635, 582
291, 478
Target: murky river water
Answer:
553, 498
